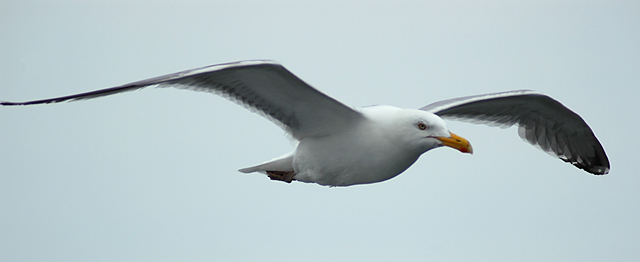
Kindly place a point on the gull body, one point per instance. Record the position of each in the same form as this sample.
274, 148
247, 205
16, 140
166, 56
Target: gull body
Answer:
384, 144
339, 145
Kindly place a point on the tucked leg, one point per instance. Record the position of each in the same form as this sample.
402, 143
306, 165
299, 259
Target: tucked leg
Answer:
286, 176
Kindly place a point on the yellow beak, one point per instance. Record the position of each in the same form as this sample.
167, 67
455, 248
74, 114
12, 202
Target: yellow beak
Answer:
456, 142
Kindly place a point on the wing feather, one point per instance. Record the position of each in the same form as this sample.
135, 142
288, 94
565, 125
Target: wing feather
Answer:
543, 122
264, 87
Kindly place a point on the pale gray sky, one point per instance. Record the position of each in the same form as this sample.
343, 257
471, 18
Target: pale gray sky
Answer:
152, 175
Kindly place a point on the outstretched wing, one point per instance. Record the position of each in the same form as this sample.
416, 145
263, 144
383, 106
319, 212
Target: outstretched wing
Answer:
542, 121
262, 86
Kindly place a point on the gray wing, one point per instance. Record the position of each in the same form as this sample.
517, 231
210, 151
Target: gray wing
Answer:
262, 86
541, 120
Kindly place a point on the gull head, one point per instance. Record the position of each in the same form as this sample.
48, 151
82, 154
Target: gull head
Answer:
420, 131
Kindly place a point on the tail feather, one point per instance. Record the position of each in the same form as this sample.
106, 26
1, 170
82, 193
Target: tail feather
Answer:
283, 163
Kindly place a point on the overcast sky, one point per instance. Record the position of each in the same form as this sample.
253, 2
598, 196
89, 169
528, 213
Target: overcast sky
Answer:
152, 175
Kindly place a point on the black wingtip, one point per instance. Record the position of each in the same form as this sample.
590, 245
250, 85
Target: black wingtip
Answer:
598, 170
5, 103
593, 169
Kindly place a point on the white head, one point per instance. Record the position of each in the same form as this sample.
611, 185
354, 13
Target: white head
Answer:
418, 130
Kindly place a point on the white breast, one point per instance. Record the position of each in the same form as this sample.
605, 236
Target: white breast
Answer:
365, 154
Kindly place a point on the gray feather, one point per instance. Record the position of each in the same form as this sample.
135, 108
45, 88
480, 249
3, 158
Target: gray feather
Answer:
264, 87
543, 122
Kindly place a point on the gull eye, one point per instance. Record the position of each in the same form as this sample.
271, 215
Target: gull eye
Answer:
422, 126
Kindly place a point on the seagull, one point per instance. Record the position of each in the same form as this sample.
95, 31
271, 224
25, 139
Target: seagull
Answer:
339, 145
